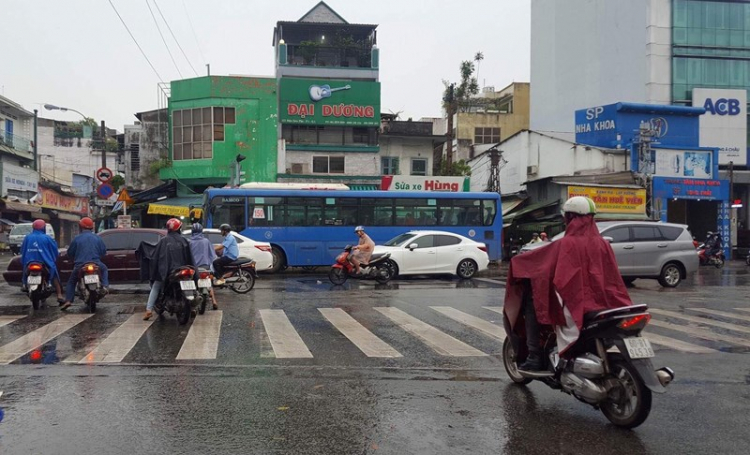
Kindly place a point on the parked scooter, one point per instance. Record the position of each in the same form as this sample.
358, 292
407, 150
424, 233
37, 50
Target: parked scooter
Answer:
618, 383
179, 294
38, 283
239, 276
89, 286
716, 260
379, 268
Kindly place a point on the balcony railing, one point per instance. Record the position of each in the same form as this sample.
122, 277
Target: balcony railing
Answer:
352, 57
15, 141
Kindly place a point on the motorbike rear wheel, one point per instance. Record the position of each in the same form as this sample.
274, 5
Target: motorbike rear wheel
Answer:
629, 403
245, 282
184, 314
337, 276
36, 302
204, 301
509, 361
719, 262
383, 274
91, 302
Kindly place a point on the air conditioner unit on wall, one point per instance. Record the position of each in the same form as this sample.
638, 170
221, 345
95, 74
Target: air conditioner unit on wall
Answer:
530, 170
300, 168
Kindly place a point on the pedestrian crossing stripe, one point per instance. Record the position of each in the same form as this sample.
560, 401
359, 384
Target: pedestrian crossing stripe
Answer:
283, 341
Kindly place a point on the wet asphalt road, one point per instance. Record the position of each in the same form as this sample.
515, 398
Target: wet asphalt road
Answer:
341, 401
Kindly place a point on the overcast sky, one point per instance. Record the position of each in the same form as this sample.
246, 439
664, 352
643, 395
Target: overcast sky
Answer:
77, 53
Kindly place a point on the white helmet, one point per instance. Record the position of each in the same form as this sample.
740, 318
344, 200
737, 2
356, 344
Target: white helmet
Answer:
580, 205
359, 228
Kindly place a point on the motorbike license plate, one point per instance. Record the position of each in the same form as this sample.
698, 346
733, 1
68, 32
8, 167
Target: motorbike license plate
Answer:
639, 348
34, 280
91, 279
204, 283
187, 285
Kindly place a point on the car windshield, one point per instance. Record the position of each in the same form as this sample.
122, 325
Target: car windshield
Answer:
21, 229
399, 239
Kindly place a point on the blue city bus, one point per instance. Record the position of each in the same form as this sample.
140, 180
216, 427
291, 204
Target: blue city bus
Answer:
311, 227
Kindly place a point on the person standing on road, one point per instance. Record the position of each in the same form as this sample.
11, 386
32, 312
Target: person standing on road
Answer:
229, 252
172, 251
363, 251
86, 247
39, 247
203, 254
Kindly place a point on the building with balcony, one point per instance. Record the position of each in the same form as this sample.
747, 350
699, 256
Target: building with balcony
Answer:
328, 98
407, 147
145, 149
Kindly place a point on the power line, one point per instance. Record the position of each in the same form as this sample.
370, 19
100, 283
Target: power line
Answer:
162, 39
197, 43
136, 42
175, 38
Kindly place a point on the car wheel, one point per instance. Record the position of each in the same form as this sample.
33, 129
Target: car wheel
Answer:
279, 259
467, 268
671, 275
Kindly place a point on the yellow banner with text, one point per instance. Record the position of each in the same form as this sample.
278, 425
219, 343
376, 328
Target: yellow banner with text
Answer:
613, 200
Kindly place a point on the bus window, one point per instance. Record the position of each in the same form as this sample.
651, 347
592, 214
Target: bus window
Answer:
376, 212
490, 210
341, 211
468, 212
304, 211
447, 215
265, 211
230, 210
416, 212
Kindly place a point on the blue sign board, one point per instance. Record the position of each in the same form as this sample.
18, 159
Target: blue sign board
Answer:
105, 190
617, 125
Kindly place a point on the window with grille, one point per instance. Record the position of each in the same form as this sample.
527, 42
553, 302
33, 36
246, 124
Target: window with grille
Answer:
328, 165
389, 165
418, 166
484, 135
195, 130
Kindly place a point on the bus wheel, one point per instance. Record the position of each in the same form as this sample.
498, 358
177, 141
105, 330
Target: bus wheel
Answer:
279, 259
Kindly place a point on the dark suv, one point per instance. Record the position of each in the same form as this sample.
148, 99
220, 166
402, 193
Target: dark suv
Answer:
120, 259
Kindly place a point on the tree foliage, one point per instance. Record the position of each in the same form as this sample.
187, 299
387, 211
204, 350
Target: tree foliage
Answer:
117, 182
463, 91
457, 169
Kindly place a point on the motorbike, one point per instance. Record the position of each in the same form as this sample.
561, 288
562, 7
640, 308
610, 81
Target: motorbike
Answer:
204, 288
89, 286
619, 383
179, 294
239, 276
747, 259
379, 268
38, 283
717, 260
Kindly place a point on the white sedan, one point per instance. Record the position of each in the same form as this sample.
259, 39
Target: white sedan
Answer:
260, 252
428, 252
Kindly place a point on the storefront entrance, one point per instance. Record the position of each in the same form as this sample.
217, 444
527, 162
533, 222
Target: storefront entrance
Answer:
700, 216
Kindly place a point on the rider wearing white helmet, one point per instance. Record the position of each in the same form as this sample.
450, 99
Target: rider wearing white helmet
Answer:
362, 252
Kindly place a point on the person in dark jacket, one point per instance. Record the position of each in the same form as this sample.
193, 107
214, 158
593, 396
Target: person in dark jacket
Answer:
171, 252
203, 254
86, 247
39, 247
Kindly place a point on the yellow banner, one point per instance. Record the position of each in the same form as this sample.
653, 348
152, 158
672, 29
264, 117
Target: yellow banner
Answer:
173, 210
613, 200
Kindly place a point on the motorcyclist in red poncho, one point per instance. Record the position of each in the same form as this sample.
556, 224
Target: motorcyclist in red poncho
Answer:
557, 284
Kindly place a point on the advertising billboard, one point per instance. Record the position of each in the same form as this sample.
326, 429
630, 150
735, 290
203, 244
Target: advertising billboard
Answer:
724, 125
677, 163
329, 102
613, 200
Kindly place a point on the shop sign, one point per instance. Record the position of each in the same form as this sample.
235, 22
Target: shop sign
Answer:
429, 183
677, 163
680, 188
724, 125
613, 200
51, 199
18, 178
124, 222
173, 210
329, 102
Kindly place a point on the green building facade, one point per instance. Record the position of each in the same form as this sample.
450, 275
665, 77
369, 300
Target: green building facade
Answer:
214, 119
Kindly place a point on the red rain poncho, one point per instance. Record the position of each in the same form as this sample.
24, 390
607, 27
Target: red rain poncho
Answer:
579, 270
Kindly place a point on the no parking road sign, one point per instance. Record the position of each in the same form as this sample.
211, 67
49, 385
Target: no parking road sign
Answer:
104, 174
105, 190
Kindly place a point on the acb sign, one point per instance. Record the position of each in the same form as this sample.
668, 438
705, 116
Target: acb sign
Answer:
722, 106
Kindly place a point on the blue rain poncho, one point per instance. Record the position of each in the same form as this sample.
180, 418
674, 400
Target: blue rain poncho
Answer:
39, 247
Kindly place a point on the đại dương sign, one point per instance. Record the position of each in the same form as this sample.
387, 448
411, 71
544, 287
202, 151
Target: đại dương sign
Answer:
613, 199
329, 102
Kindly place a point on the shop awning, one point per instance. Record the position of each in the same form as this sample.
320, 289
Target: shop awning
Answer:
529, 209
20, 206
364, 187
6, 222
68, 216
510, 205
176, 206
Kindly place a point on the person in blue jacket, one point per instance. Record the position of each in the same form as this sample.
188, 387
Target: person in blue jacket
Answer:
39, 247
86, 247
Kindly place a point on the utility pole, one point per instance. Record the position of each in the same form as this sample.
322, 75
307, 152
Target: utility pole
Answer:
732, 213
449, 132
36, 148
493, 183
104, 145
647, 166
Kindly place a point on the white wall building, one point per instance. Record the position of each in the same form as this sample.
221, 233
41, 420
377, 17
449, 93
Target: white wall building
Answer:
61, 157
588, 53
529, 155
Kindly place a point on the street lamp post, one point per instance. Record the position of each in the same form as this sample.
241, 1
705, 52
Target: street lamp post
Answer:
52, 107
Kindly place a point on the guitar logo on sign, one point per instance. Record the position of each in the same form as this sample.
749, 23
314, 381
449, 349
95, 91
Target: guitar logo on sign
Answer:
319, 92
